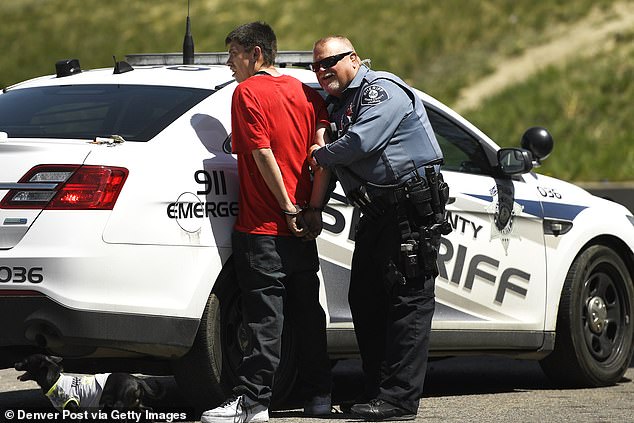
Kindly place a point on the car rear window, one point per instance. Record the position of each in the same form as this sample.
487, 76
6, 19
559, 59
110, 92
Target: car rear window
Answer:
135, 112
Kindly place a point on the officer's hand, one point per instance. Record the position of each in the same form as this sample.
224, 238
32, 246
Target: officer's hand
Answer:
311, 159
296, 224
314, 223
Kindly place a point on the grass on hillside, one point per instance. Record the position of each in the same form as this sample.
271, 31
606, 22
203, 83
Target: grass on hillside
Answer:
437, 46
440, 47
586, 107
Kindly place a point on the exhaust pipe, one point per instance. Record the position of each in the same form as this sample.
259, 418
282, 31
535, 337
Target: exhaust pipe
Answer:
44, 336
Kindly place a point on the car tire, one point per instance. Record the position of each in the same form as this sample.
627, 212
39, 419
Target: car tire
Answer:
208, 372
593, 344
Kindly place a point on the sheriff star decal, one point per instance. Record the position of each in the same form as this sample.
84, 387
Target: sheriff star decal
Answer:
502, 210
373, 94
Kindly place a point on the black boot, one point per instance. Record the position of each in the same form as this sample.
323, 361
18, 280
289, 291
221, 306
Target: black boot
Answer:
379, 410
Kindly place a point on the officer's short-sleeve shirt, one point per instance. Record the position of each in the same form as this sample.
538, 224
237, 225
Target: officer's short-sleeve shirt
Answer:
383, 132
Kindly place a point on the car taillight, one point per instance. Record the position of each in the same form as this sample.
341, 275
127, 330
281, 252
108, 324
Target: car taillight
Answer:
67, 187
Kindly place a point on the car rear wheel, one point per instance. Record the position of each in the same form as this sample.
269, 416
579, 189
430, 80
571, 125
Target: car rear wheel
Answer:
593, 345
208, 372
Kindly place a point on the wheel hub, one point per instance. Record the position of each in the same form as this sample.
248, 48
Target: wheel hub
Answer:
597, 314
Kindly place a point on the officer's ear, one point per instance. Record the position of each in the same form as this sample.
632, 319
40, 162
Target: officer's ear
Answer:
355, 59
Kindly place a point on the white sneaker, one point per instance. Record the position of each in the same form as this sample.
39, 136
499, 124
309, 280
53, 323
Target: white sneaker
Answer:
239, 409
320, 405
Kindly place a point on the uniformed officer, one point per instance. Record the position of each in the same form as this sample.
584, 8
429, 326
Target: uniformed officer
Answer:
386, 157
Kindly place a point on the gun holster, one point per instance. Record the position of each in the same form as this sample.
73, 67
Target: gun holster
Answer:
421, 205
359, 198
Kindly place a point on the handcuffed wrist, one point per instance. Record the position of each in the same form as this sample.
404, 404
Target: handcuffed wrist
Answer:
312, 155
297, 211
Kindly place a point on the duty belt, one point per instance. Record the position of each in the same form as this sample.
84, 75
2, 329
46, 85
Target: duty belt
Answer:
414, 191
383, 197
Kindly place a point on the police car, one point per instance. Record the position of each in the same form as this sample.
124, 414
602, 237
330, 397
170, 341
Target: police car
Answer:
118, 192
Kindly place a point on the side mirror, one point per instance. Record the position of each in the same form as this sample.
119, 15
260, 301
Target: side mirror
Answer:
514, 161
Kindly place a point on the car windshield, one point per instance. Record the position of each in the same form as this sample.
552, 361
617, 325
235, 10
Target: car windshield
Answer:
135, 112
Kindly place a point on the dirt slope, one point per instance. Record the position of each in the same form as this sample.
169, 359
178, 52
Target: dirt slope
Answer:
584, 37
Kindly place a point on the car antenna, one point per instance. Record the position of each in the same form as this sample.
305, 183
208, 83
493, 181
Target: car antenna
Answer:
121, 67
188, 42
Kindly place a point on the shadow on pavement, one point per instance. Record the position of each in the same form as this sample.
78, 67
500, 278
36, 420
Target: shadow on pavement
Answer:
445, 377
483, 375
32, 397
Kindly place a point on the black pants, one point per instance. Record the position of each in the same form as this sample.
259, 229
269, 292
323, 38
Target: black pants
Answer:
392, 328
273, 272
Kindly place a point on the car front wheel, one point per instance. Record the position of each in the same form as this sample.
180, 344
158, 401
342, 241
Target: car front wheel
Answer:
593, 344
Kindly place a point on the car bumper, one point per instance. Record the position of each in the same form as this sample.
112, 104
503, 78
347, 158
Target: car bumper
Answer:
32, 319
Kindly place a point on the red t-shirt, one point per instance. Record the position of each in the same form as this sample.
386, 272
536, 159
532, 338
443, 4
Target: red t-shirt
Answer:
282, 114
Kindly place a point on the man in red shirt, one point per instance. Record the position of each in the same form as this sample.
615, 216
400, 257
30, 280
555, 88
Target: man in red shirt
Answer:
274, 120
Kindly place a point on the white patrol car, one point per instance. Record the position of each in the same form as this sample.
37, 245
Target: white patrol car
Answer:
118, 193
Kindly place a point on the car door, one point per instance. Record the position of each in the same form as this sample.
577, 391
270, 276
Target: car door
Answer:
492, 281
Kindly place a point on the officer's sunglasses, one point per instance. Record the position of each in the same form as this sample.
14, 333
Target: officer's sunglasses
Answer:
328, 62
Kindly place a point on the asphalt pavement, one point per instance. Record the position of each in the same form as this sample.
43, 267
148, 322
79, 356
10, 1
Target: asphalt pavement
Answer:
475, 389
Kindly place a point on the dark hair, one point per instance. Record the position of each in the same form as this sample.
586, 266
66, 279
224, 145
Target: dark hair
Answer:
256, 34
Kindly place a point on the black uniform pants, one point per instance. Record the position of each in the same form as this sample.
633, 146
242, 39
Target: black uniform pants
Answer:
392, 325
278, 279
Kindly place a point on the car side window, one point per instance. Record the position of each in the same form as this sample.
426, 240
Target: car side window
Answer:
462, 152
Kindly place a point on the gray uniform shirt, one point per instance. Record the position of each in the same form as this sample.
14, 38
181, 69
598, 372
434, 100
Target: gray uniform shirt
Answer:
382, 130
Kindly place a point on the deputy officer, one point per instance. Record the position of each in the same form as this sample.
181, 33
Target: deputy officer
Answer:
386, 157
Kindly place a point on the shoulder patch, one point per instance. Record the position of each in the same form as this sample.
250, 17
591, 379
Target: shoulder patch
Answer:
373, 94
